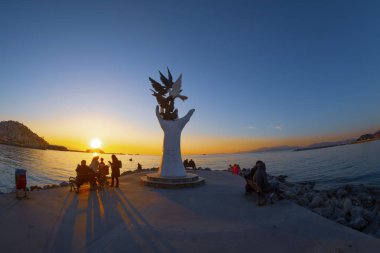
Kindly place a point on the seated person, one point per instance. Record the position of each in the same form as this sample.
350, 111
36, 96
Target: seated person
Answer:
186, 163
103, 168
84, 173
236, 169
257, 181
192, 164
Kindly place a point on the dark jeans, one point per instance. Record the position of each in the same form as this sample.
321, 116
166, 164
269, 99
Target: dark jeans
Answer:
117, 181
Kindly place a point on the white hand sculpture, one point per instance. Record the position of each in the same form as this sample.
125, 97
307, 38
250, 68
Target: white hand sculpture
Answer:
171, 163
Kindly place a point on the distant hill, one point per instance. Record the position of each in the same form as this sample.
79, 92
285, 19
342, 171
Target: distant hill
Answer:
326, 145
95, 150
269, 149
16, 134
366, 137
362, 138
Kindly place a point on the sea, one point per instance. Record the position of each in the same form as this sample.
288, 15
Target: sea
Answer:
328, 167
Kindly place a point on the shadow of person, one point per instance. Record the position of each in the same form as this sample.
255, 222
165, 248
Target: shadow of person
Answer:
61, 234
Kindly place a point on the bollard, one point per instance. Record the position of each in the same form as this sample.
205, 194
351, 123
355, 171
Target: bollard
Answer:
20, 178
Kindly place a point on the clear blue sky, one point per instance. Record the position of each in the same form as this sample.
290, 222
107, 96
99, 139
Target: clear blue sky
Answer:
252, 69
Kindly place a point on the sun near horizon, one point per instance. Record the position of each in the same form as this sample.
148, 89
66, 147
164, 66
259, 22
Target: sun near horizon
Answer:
95, 143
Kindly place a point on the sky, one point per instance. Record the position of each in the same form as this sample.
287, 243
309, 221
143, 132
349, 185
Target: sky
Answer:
257, 73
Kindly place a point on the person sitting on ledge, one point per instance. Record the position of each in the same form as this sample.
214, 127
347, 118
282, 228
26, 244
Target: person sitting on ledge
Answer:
236, 169
192, 164
186, 163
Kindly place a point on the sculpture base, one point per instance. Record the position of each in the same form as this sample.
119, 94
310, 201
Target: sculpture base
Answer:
155, 180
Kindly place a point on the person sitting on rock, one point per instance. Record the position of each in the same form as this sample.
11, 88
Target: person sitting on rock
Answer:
139, 166
257, 181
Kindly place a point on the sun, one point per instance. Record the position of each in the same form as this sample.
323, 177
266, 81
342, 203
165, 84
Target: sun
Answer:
95, 143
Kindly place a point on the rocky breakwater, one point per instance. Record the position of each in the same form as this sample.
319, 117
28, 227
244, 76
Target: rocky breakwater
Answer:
357, 207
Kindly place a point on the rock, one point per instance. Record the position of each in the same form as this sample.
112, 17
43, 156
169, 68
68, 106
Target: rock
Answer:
309, 196
281, 178
302, 201
377, 234
348, 188
35, 187
359, 223
317, 210
290, 195
342, 221
369, 202
325, 211
341, 193
324, 196
368, 215
347, 206
338, 213
316, 202
208, 169
63, 184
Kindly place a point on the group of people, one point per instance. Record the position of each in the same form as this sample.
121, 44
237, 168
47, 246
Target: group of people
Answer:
257, 181
100, 168
235, 169
189, 164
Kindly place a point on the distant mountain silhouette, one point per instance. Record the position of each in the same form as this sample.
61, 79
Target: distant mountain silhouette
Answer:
366, 137
326, 145
362, 138
17, 134
269, 149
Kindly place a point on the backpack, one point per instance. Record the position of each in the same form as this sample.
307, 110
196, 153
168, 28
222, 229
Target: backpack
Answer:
120, 164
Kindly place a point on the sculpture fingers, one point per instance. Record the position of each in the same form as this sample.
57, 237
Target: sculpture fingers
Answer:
187, 117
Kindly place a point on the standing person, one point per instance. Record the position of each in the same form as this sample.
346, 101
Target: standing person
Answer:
115, 167
94, 165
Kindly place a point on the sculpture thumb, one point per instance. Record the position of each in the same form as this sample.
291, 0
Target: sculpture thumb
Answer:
187, 117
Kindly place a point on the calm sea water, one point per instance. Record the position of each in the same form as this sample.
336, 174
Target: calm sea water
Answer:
329, 168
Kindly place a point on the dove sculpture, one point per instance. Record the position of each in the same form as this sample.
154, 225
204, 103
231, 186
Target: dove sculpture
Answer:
166, 93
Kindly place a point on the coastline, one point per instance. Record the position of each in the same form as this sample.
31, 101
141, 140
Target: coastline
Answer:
336, 145
214, 217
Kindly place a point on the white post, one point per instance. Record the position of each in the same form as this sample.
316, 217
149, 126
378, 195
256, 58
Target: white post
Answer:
171, 163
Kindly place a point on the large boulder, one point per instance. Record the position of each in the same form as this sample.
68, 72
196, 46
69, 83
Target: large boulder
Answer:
359, 223
347, 206
316, 201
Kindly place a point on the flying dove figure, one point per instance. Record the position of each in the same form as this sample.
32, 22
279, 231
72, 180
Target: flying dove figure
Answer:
176, 90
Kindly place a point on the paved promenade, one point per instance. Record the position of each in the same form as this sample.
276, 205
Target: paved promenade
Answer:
215, 217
